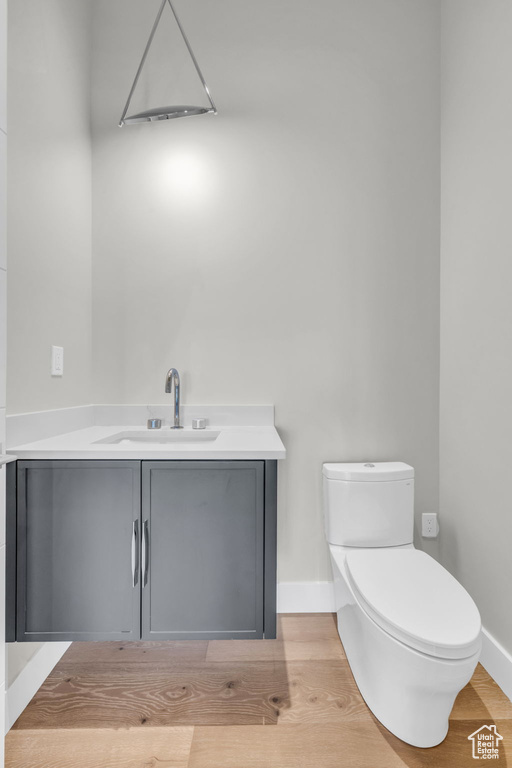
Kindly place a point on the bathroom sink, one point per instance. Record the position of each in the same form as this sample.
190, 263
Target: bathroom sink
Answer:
164, 437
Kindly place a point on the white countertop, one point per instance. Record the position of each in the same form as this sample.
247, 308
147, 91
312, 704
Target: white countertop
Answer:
242, 442
6, 459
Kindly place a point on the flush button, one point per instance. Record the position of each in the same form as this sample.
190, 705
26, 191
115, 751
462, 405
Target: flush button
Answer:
369, 465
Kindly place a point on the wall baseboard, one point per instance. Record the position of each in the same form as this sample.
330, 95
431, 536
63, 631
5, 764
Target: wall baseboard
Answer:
497, 661
305, 597
30, 679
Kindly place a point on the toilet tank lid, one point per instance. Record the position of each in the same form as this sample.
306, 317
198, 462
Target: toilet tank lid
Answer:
379, 471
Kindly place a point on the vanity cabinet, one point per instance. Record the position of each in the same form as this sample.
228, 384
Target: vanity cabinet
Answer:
203, 522
158, 550
76, 524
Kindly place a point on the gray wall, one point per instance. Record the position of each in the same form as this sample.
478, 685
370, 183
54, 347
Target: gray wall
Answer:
49, 213
476, 306
286, 251
49, 203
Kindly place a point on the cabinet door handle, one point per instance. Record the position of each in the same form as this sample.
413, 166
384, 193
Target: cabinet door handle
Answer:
135, 553
145, 552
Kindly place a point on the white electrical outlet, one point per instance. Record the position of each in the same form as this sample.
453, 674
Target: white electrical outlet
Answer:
57, 361
429, 525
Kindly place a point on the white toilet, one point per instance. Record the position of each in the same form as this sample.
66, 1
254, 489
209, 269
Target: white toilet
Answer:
410, 631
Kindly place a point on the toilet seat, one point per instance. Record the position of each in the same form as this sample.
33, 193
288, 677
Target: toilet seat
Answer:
414, 599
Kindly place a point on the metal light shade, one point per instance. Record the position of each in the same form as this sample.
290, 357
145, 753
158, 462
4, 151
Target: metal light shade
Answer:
167, 112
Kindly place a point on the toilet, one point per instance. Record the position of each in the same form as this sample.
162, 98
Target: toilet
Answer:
411, 632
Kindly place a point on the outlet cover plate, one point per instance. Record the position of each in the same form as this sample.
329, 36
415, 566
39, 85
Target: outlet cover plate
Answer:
429, 525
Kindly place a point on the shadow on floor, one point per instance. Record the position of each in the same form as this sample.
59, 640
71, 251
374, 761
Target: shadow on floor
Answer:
115, 685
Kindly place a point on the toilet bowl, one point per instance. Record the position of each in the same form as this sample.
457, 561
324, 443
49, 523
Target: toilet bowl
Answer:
410, 631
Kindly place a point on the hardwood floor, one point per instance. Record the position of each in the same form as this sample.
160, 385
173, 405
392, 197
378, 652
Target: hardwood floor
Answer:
290, 702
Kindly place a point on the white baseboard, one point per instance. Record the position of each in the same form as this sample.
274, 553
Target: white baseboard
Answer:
497, 661
30, 680
305, 597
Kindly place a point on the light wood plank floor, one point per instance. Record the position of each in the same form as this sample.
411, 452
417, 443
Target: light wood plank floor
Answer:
285, 703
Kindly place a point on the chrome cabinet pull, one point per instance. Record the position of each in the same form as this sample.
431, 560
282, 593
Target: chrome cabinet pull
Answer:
135, 553
145, 552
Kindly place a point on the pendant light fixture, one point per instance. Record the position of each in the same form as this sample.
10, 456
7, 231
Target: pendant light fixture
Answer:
169, 112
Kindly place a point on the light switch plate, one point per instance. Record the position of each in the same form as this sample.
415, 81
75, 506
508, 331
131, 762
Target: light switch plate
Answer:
57, 361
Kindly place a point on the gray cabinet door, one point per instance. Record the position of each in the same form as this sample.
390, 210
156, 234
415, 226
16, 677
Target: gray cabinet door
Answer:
204, 526
78, 550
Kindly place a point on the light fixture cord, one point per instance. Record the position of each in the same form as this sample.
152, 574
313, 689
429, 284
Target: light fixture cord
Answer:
191, 52
145, 54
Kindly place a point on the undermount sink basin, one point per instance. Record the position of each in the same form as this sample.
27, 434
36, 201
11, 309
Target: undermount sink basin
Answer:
164, 437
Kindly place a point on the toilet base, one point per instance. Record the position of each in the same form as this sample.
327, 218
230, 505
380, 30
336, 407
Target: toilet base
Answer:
409, 692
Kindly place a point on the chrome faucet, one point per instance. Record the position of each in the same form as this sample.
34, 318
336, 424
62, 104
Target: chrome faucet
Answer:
173, 375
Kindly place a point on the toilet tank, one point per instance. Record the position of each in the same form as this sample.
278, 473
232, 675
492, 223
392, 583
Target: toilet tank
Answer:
369, 505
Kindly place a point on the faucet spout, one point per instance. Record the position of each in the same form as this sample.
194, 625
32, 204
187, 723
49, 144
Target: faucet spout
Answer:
173, 376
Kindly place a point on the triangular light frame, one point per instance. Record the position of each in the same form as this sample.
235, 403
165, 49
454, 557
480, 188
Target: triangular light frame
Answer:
166, 113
